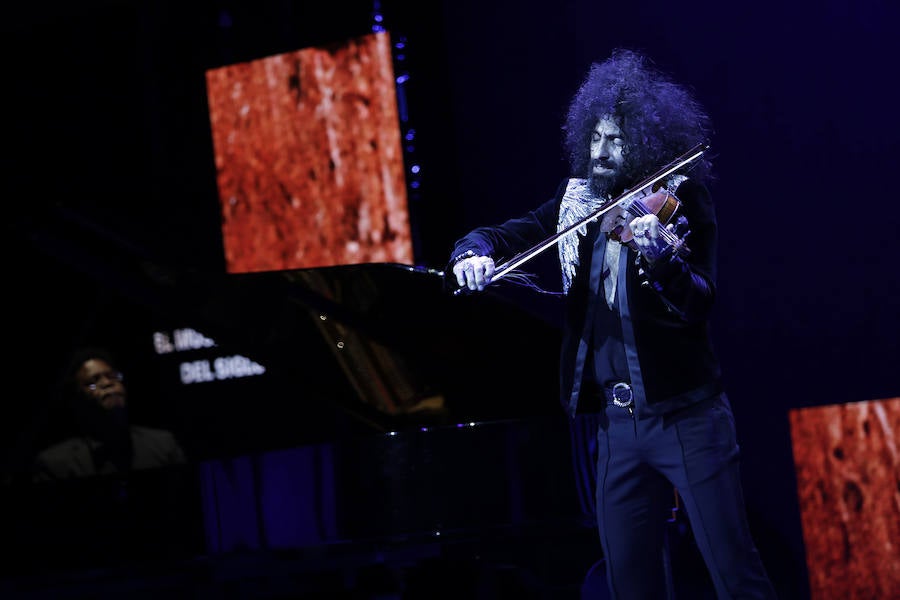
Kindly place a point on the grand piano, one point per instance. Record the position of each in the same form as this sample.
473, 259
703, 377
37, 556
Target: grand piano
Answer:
391, 436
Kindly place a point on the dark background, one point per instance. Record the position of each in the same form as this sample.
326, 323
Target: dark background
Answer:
108, 165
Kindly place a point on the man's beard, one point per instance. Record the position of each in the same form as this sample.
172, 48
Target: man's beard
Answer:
605, 186
109, 428
104, 424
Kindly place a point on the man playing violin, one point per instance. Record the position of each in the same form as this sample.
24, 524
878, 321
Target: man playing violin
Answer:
638, 290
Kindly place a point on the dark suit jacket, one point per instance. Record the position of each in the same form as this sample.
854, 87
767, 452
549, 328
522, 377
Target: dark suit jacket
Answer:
670, 357
77, 456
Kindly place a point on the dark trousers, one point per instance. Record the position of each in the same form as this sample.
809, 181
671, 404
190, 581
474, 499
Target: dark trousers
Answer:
639, 462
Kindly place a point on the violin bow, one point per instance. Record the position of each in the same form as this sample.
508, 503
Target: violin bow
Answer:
523, 257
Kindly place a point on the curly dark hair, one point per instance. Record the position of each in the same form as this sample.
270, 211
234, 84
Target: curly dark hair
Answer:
660, 119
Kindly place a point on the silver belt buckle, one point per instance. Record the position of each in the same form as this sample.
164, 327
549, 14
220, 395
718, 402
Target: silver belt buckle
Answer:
622, 395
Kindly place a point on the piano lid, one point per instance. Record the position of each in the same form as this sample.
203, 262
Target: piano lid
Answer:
358, 348
372, 347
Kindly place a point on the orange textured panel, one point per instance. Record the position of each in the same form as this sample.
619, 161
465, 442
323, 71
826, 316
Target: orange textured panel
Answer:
308, 158
848, 471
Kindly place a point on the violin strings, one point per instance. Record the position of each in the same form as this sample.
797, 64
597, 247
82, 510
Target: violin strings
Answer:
638, 209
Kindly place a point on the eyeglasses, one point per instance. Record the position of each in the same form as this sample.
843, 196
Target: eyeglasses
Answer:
94, 382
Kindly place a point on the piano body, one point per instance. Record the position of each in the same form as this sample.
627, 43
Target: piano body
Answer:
396, 432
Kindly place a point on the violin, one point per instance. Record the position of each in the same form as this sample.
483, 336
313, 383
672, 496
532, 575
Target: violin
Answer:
662, 203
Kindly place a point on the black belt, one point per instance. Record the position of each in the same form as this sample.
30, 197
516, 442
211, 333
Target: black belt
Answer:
619, 394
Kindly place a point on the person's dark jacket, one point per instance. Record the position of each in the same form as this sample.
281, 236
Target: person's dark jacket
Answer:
82, 456
665, 324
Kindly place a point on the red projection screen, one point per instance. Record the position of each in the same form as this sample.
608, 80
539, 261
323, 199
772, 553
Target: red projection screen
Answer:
308, 155
848, 468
